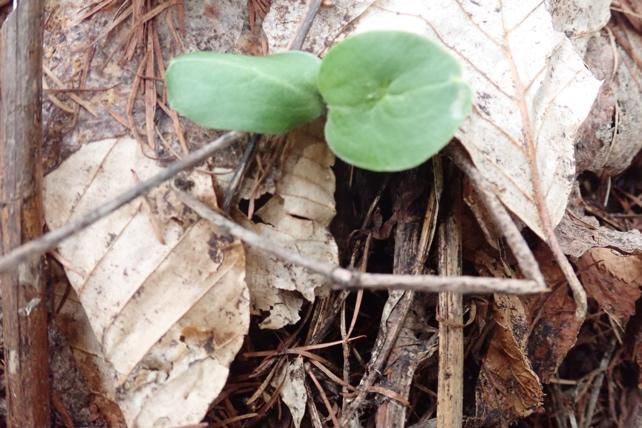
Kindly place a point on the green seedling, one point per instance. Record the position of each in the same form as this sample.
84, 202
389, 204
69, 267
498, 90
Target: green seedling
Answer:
393, 99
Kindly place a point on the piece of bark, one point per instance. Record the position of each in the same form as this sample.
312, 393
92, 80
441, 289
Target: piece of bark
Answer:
450, 390
21, 216
408, 208
415, 342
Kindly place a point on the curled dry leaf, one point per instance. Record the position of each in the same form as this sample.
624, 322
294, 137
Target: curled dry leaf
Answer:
164, 294
613, 279
609, 139
296, 216
550, 328
532, 90
508, 387
579, 233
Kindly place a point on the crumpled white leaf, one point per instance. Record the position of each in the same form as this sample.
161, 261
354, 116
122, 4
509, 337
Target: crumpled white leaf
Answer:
164, 294
501, 44
580, 16
296, 217
291, 379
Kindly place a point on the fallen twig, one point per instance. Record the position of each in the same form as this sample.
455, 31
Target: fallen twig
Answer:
520, 249
344, 278
53, 238
310, 13
499, 216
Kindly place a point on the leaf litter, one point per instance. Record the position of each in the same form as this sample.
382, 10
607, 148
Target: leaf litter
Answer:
164, 294
550, 313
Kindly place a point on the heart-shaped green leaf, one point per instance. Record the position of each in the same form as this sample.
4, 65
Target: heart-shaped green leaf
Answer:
269, 94
394, 99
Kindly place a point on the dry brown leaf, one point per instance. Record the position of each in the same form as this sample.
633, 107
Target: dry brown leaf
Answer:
613, 279
507, 387
551, 328
164, 294
637, 352
552, 322
296, 216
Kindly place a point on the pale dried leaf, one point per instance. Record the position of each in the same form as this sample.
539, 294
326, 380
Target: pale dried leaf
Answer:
579, 233
285, 16
515, 138
293, 392
580, 16
296, 217
164, 294
609, 138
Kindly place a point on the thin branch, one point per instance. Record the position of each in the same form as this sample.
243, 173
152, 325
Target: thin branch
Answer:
344, 278
55, 237
499, 216
310, 13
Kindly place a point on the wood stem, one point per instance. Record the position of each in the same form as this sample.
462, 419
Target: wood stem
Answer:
24, 307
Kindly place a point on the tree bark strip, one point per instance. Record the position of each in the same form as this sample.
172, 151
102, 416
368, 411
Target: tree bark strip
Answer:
413, 239
21, 216
450, 393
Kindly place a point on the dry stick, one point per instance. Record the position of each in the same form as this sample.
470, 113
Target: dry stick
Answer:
24, 309
450, 313
522, 253
347, 279
498, 214
53, 238
310, 13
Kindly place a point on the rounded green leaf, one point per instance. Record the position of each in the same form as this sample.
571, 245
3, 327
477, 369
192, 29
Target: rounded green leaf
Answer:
394, 99
268, 94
